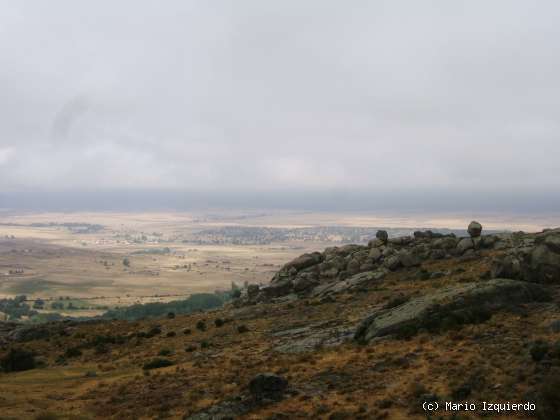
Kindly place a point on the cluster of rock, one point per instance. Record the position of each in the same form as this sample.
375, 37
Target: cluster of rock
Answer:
531, 257
450, 306
346, 267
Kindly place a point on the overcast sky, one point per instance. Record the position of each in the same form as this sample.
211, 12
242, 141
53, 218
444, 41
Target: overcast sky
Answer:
279, 95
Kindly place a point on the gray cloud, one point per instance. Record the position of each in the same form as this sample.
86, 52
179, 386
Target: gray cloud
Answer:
290, 96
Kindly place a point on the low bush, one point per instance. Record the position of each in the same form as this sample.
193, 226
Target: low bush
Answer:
548, 403
18, 360
242, 329
153, 332
157, 363
101, 348
165, 352
46, 416
72, 352
538, 350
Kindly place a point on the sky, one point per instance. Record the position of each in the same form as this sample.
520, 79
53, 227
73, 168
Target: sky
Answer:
433, 98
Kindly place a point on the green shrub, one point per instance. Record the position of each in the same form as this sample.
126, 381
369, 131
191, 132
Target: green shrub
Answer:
538, 350
153, 332
548, 403
164, 352
196, 302
18, 360
72, 352
46, 416
157, 363
242, 329
101, 348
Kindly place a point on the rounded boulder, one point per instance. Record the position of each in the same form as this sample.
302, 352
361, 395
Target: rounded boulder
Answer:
474, 229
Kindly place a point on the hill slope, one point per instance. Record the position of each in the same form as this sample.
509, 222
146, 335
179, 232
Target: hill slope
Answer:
354, 332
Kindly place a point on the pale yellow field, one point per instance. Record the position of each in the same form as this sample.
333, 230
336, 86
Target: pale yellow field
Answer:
89, 266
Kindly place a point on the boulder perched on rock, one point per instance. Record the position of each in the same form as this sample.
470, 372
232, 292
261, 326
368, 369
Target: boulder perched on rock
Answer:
453, 305
474, 229
267, 385
382, 235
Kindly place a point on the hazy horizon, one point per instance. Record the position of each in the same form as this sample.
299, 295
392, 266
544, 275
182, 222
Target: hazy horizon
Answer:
398, 202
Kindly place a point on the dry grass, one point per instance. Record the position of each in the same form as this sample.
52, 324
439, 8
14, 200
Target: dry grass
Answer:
383, 380
57, 262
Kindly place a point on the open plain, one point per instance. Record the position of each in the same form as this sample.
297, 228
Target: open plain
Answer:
103, 260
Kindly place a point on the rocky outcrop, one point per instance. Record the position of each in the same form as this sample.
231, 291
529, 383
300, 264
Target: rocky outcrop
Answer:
531, 257
344, 268
351, 283
458, 304
311, 337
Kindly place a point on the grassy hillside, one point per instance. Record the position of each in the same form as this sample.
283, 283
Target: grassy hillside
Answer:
204, 365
